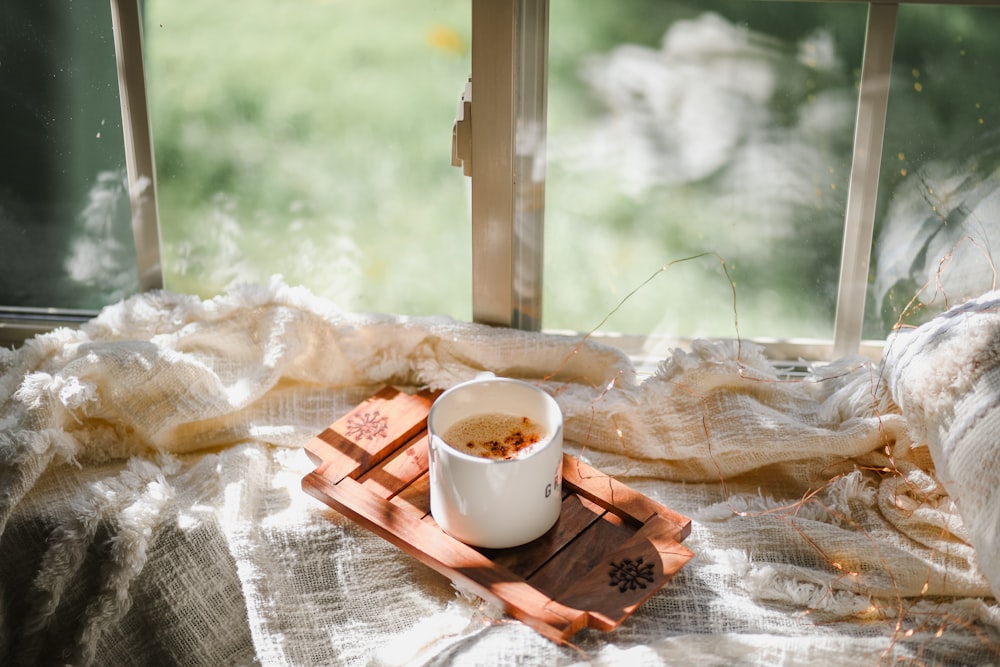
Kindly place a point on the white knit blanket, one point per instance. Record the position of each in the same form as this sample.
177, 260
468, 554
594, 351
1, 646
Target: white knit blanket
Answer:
151, 509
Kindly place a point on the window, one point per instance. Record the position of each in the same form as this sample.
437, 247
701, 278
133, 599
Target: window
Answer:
304, 142
711, 138
939, 211
705, 157
64, 191
752, 139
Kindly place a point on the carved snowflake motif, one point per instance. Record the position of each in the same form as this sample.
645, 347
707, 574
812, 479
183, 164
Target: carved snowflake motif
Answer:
629, 574
368, 426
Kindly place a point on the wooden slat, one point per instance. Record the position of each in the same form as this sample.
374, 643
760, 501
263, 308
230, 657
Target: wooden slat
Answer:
587, 550
577, 513
416, 497
396, 473
473, 570
372, 467
369, 432
624, 501
626, 577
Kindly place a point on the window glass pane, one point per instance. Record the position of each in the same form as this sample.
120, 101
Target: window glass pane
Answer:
313, 140
939, 197
719, 131
65, 217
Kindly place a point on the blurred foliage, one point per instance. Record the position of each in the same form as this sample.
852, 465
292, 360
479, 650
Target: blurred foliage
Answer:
312, 139
941, 95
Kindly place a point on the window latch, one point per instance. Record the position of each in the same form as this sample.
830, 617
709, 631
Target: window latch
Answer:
461, 132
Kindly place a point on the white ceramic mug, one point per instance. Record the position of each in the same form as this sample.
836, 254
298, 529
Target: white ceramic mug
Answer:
493, 502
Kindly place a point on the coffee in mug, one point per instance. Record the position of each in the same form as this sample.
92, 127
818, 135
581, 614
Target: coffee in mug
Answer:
495, 459
494, 435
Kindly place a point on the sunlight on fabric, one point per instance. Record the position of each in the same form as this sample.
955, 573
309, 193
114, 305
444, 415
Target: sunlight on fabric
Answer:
286, 494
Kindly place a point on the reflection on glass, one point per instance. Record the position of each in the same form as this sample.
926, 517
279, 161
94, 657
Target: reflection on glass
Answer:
715, 131
313, 140
65, 217
939, 217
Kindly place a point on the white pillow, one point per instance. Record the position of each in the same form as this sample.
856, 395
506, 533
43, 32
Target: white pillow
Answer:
945, 377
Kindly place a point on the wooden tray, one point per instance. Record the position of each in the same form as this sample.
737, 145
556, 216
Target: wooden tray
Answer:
611, 549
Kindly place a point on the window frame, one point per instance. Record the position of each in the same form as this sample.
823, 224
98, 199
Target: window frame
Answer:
510, 52
862, 186
859, 216
126, 19
508, 131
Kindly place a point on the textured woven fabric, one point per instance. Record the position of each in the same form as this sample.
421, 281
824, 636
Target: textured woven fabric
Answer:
151, 509
946, 378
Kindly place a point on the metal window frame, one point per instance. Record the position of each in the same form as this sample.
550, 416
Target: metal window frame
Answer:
501, 44
507, 154
510, 61
126, 21
862, 187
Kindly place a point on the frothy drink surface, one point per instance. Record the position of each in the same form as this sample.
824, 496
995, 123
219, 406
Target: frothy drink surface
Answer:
494, 435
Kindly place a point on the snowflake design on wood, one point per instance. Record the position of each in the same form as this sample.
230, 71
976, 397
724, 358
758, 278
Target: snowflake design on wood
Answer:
368, 426
630, 575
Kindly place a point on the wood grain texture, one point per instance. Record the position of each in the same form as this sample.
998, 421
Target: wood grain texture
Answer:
610, 551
